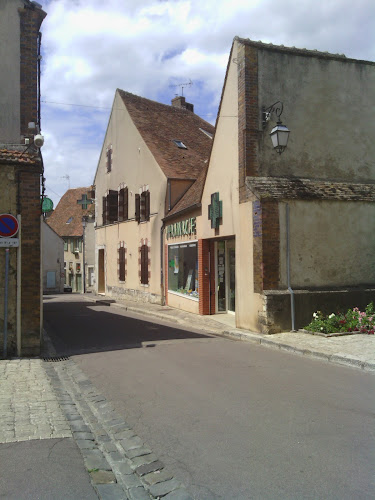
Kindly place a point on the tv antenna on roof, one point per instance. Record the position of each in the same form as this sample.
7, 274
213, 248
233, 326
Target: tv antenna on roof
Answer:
67, 177
183, 85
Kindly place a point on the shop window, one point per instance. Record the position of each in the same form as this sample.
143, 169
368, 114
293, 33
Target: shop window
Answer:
122, 263
123, 204
144, 265
183, 269
142, 206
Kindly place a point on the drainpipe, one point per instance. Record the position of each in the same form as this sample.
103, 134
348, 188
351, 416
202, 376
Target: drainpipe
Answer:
162, 265
288, 268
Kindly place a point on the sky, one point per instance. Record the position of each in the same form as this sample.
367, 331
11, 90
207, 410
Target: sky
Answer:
150, 47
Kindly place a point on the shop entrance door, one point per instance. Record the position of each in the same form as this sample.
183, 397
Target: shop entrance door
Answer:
225, 263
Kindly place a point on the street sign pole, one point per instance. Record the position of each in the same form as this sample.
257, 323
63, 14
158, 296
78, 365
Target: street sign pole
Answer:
5, 351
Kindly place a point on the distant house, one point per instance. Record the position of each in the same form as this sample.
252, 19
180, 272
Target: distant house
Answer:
73, 221
152, 157
21, 173
52, 261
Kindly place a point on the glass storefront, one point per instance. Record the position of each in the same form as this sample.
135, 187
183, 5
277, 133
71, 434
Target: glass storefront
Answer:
183, 269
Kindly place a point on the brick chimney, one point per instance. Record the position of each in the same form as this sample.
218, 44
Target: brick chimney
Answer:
180, 102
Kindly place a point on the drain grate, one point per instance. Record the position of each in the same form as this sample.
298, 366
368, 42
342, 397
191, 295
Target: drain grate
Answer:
56, 359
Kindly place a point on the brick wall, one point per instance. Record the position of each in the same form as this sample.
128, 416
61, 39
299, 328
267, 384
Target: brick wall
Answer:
30, 22
29, 203
266, 238
248, 119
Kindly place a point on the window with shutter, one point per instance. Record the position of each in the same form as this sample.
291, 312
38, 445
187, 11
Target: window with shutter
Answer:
104, 213
112, 206
144, 206
123, 204
137, 207
121, 258
144, 265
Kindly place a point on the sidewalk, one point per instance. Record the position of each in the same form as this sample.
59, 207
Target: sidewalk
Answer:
61, 439
352, 350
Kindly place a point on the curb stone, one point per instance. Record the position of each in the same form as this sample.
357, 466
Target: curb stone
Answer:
120, 465
215, 328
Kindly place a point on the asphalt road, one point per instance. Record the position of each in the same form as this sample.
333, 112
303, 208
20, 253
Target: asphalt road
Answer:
231, 420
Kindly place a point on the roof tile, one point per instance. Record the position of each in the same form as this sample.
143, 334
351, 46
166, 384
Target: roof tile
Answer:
68, 207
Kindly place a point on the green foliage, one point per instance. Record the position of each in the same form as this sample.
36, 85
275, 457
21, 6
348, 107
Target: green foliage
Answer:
353, 320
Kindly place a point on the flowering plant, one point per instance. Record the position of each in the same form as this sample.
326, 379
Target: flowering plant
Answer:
353, 320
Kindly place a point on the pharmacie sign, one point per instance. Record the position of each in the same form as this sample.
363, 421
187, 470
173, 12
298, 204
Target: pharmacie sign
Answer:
183, 228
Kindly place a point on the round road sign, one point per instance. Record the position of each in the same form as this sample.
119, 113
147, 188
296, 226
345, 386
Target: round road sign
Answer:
8, 225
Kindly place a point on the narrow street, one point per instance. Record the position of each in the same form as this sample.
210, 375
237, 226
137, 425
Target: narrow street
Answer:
231, 420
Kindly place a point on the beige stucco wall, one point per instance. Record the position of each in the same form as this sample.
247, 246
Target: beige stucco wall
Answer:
10, 71
328, 109
332, 244
52, 258
74, 258
134, 166
222, 177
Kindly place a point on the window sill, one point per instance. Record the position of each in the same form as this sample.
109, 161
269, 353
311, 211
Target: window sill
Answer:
184, 295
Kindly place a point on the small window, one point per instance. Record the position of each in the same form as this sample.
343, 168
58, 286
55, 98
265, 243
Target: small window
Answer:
180, 144
78, 267
109, 158
69, 220
65, 245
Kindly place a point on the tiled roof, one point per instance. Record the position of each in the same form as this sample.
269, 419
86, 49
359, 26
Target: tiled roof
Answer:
160, 124
19, 156
297, 51
68, 207
192, 197
306, 189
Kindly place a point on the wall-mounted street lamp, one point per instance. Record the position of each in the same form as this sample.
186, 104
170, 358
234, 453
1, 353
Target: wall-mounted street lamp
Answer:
280, 133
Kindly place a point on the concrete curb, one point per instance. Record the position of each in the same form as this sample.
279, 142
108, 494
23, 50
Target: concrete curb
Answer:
235, 334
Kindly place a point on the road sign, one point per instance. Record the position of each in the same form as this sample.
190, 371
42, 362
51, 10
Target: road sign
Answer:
9, 242
8, 225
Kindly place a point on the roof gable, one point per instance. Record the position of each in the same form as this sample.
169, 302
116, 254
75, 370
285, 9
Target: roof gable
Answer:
68, 209
160, 125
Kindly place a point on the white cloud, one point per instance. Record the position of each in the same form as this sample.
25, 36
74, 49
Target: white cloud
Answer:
92, 47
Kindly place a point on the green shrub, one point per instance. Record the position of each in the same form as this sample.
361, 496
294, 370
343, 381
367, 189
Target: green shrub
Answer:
353, 320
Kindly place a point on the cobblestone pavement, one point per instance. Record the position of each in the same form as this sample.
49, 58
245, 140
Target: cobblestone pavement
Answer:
44, 400
120, 464
352, 350
28, 406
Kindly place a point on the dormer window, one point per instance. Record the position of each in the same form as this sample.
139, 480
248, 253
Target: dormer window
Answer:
180, 144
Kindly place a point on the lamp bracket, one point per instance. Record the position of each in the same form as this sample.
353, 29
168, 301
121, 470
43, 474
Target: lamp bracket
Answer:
277, 108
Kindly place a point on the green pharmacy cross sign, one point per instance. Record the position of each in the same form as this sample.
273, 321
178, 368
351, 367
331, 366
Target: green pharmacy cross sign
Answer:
84, 201
215, 211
